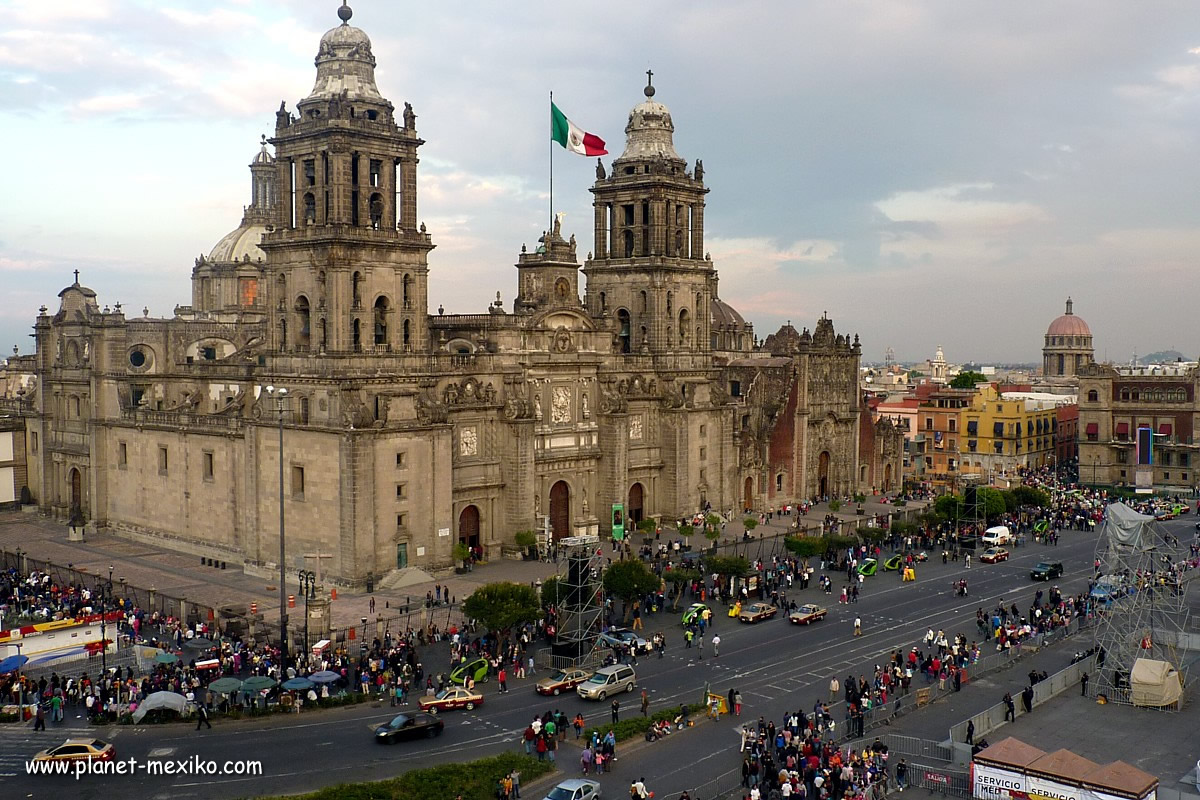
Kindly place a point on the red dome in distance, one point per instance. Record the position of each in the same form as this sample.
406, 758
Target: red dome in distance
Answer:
1069, 325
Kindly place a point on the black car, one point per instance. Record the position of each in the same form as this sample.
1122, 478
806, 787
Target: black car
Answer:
409, 726
1046, 571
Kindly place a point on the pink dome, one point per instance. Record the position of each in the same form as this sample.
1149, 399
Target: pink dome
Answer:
1069, 325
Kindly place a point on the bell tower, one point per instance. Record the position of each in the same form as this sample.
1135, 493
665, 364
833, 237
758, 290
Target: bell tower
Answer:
347, 264
648, 267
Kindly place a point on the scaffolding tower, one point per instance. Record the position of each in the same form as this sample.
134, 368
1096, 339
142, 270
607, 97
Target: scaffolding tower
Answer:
1140, 599
578, 603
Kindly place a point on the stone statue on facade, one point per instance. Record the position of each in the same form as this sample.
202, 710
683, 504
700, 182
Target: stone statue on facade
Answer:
410, 119
600, 174
698, 172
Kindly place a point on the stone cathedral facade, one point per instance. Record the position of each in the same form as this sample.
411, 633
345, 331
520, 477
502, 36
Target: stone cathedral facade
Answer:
406, 431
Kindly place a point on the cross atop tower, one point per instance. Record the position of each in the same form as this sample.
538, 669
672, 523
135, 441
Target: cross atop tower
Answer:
649, 90
76, 277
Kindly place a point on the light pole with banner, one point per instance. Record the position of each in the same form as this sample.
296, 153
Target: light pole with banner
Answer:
280, 396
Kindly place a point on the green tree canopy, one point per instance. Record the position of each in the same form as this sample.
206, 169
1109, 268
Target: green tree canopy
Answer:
1031, 496
873, 535
967, 379
629, 580
991, 500
949, 506
502, 606
678, 577
727, 566
805, 546
552, 591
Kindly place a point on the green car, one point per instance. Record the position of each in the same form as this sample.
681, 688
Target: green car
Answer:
868, 567
892, 564
694, 612
476, 668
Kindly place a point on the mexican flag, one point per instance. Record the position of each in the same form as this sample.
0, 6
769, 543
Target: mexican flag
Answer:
572, 137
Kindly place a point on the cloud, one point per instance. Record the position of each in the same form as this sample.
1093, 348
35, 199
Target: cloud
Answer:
959, 205
106, 104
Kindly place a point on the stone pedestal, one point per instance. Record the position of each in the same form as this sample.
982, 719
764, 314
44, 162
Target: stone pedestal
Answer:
75, 533
318, 618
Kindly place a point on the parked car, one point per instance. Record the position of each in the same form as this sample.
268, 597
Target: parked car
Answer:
575, 789
476, 668
693, 613
807, 613
562, 680
757, 611
409, 726
624, 636
449, 699
77, 750
993, 555
1046, 571
607, 681
868, 567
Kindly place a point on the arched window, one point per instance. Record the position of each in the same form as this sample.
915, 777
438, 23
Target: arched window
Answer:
684, 325
603, 302
623, 330
322, 334
1093, 396
356, 334
303, 410
405, 285
281, 290
407, 334
282, 333
302, 314
381, 312
376, 211
356, 289
678, 243
310, 209
627, 243
670, 301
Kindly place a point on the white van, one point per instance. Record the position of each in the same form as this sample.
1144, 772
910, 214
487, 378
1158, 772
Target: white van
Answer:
998, 535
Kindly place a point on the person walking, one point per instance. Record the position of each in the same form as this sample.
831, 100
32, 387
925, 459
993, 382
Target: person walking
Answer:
716, 643
202, 717
737, 703
502, 677
858, 626
616, 711
968, 559
1083, 682
1010, 708
645, 703
902, 774
700, 647
39, 723
834, 688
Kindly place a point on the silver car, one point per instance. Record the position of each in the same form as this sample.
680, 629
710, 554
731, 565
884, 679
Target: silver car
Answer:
575, 789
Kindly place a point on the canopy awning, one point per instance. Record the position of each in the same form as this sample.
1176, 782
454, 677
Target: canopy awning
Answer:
1164, 429
1092, 428
1123, 428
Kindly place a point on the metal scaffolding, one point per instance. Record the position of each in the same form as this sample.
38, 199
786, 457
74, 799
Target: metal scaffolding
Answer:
578, 603
1140, 599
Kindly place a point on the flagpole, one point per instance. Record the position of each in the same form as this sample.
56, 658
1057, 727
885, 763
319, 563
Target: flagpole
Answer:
551, 162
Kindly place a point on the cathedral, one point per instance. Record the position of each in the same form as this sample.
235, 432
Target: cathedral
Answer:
309, 377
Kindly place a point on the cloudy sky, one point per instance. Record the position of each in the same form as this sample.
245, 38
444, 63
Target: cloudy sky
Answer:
927, 172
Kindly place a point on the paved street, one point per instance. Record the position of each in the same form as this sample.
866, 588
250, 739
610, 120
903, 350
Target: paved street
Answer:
776, 666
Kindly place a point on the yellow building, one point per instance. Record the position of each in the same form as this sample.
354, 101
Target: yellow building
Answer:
1006, 431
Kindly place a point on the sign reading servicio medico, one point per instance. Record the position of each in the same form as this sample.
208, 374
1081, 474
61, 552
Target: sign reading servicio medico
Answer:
1039, 788
996, 783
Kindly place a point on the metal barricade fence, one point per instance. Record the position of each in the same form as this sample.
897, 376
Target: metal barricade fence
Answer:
914, 746
940, 779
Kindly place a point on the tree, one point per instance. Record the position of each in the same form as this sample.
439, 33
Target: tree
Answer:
629, 580
552, 592
679, 577
648, 527
993, 501
873, 535
805, 546
749, 523
526, 540
500, 607
835, 505
461, 553
727, 566
949, 506
1031, 496
686, 531
967, 379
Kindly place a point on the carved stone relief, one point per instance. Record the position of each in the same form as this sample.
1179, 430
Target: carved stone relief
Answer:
468, 442
635, 429
560, 405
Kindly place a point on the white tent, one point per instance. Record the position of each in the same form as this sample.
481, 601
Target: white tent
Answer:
1154, 684
172, 700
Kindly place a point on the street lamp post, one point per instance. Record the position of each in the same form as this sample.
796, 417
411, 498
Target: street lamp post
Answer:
308, 588
1095, 469
105, 595
280, 396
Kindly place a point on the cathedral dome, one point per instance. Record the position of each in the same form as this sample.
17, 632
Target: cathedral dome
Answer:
723, 315
239, 243
1069, 324
345, 64
650, 131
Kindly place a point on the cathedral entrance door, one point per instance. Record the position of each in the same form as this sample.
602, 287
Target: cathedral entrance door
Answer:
823, 473
468, 527
633, 510
887, 478
560, 510
748, 500
76, 491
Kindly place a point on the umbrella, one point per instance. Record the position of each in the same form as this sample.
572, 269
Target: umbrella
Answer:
166, 658
324, 676
225, 685
172, 700
200, 643
256, 683
12, 664
298, 684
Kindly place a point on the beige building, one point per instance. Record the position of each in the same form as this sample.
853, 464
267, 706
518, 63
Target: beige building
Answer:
405, 432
